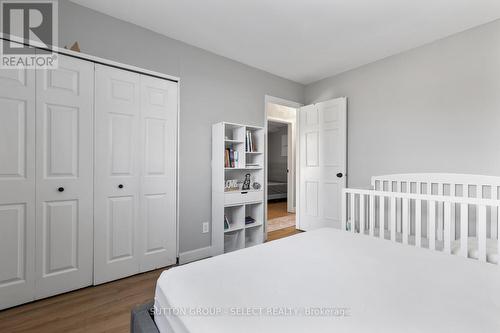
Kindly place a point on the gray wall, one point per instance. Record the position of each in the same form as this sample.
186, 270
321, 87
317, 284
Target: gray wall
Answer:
212, 89
276, 164
432, 109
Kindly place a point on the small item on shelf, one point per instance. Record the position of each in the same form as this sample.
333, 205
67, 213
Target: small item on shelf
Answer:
231, 185
249, 220
75, 47
256, 186
226, 223
246, 183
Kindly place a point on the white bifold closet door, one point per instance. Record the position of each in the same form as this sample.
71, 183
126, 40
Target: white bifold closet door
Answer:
135, 162
17, 186
64, 221
46, 189
158, 237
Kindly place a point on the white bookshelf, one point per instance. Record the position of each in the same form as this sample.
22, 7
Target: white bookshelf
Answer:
237, 204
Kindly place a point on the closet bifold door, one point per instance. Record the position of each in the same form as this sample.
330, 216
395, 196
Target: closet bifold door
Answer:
64, 154
116, 182
158, 173
17, 186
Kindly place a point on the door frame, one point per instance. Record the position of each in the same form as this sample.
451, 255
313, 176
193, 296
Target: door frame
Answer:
268, 99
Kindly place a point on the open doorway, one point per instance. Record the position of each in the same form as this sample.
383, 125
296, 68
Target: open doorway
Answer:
281, 124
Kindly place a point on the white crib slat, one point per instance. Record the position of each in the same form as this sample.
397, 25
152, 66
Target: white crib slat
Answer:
447, 227
393, 218
382, 218
432, 224
362, 213
453, 208
418, 222
405, 220
494, 213
440, 213
464, 230
482, 233
353, 213
344, 211
399, 187
372, 214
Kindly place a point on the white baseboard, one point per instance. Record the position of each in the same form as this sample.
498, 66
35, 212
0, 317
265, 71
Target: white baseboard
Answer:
194, 255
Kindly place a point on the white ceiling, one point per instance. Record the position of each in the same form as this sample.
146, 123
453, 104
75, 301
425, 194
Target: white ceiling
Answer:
303, 40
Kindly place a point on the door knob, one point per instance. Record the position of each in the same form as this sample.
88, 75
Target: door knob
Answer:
120, 186
61, 189
340, 175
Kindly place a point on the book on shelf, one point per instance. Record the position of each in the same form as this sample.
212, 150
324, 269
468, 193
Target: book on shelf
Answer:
249, 220
250, 142
231, 158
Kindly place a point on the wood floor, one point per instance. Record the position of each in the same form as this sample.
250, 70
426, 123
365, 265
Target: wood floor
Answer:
277, 209
104, 308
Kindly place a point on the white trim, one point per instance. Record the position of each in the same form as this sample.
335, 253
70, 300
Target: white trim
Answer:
194, 255
280, 101
177, 171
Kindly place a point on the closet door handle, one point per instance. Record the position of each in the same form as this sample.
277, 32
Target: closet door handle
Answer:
120, 186
340, 175
61, 189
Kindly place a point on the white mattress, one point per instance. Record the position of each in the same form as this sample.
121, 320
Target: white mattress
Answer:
387, 287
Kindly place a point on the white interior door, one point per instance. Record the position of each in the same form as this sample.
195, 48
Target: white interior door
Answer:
116, 187
323, 152
17, 186
64, 240
158, 175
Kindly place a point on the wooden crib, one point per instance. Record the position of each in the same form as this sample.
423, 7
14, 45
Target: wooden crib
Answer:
453, 213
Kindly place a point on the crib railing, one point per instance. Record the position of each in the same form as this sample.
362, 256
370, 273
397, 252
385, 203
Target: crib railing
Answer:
375, 213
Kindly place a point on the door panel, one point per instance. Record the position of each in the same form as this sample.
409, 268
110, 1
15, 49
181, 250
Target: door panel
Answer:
158, 177
13, 140
116, 195
17, 184
61, 126
60, 230
13, 247
323, 151
122, 146
121, 228
64, 177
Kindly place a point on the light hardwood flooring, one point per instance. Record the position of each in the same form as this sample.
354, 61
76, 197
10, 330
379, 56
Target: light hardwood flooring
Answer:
277, 209
104, 308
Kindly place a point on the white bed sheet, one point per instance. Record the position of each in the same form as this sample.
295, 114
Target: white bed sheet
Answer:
387, 287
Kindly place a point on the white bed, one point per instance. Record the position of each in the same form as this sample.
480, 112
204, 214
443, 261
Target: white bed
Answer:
386, 286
